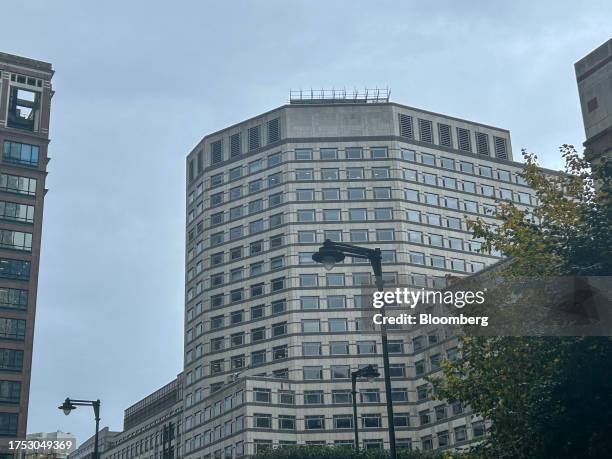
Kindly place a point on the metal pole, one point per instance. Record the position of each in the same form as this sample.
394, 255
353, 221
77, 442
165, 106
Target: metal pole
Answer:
355, 426
96, 407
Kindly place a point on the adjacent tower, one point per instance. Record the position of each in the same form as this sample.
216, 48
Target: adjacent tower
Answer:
270, 337
25, 102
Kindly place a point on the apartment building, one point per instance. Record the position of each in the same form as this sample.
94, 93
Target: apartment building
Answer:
25, 104
270, 337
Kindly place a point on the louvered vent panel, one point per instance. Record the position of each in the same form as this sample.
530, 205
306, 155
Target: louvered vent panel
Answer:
501, 148
254, 137
482, 144
463, 138
405, 126
445, 134
274, 130
236, 145
216, 152
425, 131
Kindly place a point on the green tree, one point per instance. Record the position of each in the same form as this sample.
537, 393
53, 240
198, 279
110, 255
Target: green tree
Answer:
343, 452
545, 397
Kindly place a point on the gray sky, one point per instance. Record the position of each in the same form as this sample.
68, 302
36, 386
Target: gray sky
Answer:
139, 83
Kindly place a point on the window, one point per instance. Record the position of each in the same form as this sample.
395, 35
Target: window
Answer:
425, 417
478, 428
487, 190
8, 424
337, 325
279, 306
12, 298
417, 258
366, 347
383, 213
401, 420
286, 422
328, 153
236, 232
258, 358
303, 154
275, 199
505, 194
440, 411
463, 139
308, 280
524, 198
305, 195
431, 199
329, 174
397, 370
359, 235
411, 195
410, 174
235, 173
382, 193
408, 155
309, 349
305, 215
339, 348
313, 397
216, 180
415, 236
18, 184
276, 241
16, 212
443, 439
482, 143
334, 279
380, 172
438, 261
485, 171
354, 173
370, 396
313, 372
14, 269
356, 194
422, 392
385, 235
449, 182
16, 240
343, 421
10, 391
304, 174
457, 264
21, 153
413, 216
311, 326
11, 360
354, 153
309, 302
333, 235
454, 223
430, 179
460, 434
428, 159
263, 421
235, 193
379, 152
314, 422
331, 215
370, 421
451, 203
341, 396
336, 302
286, 397
470, 206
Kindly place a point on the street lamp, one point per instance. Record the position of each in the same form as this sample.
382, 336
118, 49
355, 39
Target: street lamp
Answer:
334, 252
70, 405
369, 372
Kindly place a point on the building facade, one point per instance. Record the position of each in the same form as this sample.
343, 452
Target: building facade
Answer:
51, 453
151, 427
25, 103
86, 449
270, 337
594, 78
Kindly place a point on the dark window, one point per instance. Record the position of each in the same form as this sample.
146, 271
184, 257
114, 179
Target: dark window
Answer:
11, 359
13, 298
405, 126
14, 269
10, 391
21, 153
8, 424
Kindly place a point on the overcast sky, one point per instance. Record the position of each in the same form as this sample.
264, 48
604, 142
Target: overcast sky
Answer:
139, 83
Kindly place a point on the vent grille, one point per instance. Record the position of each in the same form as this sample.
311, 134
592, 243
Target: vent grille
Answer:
463, 138
405, 126
425, 131
216, 152
200, 161
482, 144
501, 147
254, 137
274, 130
236, 145
445, 134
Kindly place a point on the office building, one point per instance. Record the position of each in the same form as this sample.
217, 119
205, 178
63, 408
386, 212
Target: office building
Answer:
25, 105
594, 78
151, 428
270, 337
62, 450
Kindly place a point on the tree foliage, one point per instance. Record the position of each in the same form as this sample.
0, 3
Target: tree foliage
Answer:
337, 452
545, 397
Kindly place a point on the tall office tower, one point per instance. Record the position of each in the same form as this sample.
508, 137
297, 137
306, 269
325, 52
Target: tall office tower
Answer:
594, 78
270, 337
25, 99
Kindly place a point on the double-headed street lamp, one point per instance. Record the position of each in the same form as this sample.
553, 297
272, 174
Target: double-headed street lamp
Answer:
369, 372
70, 404
334, 252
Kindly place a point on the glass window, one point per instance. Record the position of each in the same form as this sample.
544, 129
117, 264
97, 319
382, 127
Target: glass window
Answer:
503, 175
303, 154
337, 325
359, 235
336, 302
437, 261
366, 347
356, 193
304, 195
354, 173
466, 167
328, 153
274, 159
380, 172
307, 236
417, 258
310, 349
469, 187
487, 190
358, 214
309, 302
306, 215
331, 194
431, 199
333, 235
453, 223
385, 235
382, 193
411, 195
415, 236
430, 179
485, 171
410, 174
329, 174
428, 159
470, 206
353, 153
449, 182
331, 215
413, 216
304, 174
451, 203
312, 372
408, 155
308, 280
383, 213
379, 152
447, 163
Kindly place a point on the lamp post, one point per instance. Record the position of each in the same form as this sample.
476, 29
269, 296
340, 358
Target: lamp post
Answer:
334, 252
370, 372
71, 404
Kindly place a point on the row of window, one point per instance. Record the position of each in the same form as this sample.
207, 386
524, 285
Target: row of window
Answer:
15, 240
13, 329
10, 391
18, 184
11, 359
20, 153
14, 269
13, 211
13, 298
357, 153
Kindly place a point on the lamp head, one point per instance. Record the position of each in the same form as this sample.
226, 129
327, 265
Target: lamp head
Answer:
67, 407
370, 372
328, 255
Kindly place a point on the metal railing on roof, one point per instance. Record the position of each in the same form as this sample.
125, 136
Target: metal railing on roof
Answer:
339, 96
